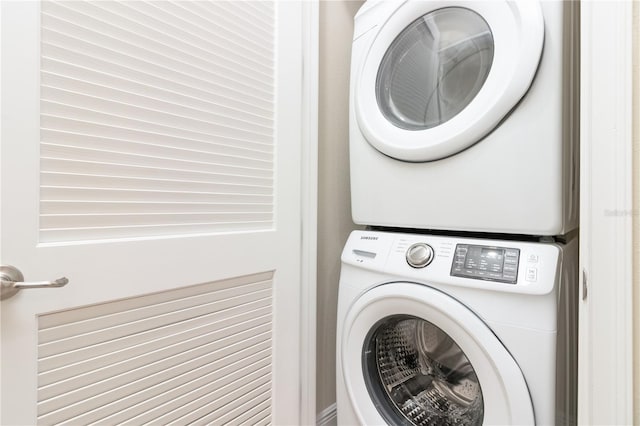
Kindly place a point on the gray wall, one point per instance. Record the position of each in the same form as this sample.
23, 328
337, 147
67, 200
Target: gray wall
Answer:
334, 204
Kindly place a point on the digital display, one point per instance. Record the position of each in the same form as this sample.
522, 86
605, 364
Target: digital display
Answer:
487, 263
484, 259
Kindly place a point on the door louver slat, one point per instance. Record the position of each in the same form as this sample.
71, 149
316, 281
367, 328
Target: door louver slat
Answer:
193, 354
151, 104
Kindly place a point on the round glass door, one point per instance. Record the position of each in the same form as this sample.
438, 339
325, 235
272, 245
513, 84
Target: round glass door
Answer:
413, 355
416, 374
434, 68
431, 81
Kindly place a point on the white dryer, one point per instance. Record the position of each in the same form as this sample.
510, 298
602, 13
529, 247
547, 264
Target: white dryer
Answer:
436, 330
463, 115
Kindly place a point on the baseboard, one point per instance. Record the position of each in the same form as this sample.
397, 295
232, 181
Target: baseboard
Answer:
328, 416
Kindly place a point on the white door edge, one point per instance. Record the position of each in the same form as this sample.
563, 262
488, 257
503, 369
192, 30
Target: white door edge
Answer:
309, 187
605, 379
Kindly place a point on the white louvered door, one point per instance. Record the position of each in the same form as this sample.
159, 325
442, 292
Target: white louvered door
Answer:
151, 154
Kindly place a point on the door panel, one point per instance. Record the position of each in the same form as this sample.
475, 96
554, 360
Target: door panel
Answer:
142, 358
126, 120
150, 153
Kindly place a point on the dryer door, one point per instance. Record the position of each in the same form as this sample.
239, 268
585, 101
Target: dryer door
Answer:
412, 355
440, 75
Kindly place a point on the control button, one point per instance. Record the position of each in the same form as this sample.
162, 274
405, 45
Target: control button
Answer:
532, 274
508, 268
511, 253
532, 258
419, 255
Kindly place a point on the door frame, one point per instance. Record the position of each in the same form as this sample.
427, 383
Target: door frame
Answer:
605, 395
309, 197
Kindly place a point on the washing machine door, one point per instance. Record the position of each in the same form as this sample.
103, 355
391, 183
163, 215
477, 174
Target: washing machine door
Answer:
440, 75
412, 355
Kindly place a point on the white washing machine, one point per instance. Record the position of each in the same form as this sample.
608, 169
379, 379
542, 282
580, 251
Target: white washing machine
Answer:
463, 115
436, 330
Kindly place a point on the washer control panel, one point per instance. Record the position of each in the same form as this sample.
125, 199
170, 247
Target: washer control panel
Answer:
486, 263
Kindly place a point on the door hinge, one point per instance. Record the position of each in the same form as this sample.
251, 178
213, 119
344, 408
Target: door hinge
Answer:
584, 284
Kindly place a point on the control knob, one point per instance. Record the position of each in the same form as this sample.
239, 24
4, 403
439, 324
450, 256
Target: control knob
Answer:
419, 255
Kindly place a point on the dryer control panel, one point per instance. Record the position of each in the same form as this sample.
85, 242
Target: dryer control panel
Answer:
486, 263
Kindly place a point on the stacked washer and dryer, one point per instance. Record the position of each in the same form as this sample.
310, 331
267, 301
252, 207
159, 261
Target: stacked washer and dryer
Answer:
458, 304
